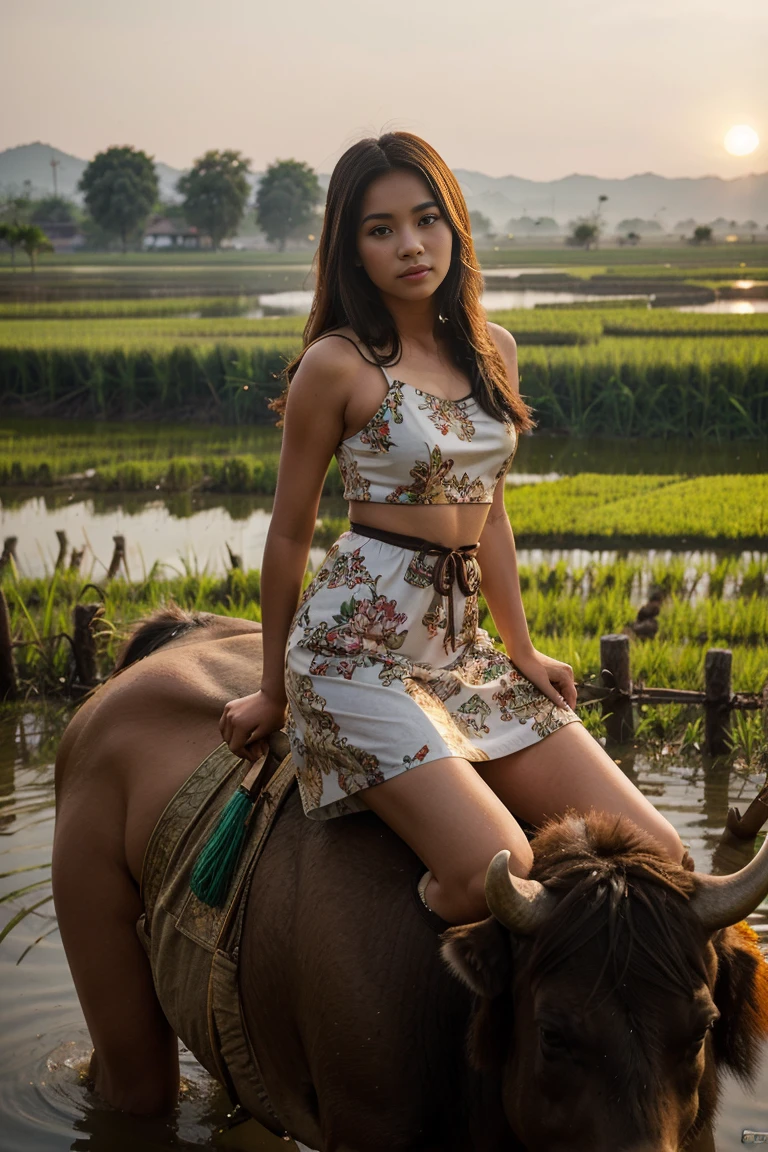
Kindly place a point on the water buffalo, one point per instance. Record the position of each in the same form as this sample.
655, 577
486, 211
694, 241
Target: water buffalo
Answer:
595, 1009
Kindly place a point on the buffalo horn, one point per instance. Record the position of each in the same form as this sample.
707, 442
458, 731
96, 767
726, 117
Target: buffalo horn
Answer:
719, 901
520, 905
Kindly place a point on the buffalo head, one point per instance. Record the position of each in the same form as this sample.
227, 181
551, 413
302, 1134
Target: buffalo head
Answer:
612, 986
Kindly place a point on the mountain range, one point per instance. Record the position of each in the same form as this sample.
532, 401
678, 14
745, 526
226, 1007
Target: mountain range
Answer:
647, 196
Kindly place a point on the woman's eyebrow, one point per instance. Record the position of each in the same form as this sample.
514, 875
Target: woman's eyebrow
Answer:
388, 215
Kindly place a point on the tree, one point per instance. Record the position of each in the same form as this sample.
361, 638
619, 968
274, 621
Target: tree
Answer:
10, 234
34, 241
120, 188
215, 193
287, 195
702, 234
52, 210
583, 235
480, 224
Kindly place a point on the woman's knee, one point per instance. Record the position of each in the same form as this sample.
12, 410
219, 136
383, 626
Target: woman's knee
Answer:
668, 838
461, 891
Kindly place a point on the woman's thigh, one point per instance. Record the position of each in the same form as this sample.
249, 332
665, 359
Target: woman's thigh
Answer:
570, 770
452, 819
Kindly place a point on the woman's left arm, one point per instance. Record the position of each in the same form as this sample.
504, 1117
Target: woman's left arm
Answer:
501, 584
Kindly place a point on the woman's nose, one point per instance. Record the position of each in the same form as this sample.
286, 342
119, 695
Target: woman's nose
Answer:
411, 245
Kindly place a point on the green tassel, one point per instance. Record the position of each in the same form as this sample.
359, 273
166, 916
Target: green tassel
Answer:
216, 864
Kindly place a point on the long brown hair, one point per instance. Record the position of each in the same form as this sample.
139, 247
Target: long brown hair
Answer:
345, 295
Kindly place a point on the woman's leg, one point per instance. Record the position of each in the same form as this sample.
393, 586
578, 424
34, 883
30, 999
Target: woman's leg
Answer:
455, 824
569, 769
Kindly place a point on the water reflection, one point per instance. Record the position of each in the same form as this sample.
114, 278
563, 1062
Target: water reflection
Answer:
192, 532
45, 1104
729, 307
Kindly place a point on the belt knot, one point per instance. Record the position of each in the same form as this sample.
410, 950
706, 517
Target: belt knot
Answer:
454, 566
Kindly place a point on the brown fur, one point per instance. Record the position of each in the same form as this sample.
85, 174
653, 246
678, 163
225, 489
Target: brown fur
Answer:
627, 907
741, 994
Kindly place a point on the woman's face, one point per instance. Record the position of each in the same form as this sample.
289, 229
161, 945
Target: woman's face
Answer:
402, 228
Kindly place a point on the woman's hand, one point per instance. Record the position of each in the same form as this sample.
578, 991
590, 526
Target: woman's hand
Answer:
552, 677
246, 723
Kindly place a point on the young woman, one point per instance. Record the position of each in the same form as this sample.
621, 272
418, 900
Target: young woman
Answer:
396, 700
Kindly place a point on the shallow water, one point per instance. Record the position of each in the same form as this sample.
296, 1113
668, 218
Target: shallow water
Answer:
191, 535
192, 530
493, 299
45, 1105
732, 307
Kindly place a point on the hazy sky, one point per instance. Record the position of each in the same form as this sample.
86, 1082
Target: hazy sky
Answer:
534, 88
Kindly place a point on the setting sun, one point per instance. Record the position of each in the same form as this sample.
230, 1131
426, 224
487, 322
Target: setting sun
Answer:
741, 140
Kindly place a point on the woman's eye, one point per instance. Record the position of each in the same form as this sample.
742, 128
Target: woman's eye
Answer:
431, 216
379, 229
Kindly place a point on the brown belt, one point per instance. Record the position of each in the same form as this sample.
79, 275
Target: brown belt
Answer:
453, 566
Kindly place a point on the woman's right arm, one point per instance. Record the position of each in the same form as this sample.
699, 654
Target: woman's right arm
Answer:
313, 427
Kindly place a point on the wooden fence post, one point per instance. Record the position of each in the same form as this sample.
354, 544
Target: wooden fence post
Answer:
9, 551
118, 557
717, 691
61, 559
84, 645
8, 686
76, 559
614, 662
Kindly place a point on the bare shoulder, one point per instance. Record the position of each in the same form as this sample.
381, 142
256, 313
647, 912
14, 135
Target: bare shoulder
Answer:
503, 339
331, 362
506, 346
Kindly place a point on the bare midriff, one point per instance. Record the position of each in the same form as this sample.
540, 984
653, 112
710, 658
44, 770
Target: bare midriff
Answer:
449, 525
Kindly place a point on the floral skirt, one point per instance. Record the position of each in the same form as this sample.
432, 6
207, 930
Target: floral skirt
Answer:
374, 689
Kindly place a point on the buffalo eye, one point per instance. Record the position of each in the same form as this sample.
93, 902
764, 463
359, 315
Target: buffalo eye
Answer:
696, 1041
552, 1041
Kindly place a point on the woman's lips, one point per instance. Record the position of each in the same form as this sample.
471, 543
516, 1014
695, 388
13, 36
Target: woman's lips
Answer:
415, 275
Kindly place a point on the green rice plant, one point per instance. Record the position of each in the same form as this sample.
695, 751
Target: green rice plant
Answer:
746, 735
226, 369
224, 382
692, 738
669, 322
101, 309
567, 616
22, 915
698, 388
593, 720
644, 508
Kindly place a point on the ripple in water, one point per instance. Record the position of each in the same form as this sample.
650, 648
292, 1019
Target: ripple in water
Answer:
46, 1100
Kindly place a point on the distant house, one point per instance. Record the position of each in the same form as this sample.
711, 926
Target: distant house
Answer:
164, 233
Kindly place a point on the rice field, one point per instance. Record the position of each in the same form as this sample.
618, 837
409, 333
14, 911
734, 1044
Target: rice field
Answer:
711, 604
100, 309
116, 324
701, 387
691, 511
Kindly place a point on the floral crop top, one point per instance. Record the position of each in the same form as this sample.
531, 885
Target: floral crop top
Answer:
419, 448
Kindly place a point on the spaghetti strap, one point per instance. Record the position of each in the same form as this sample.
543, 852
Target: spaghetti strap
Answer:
341, 336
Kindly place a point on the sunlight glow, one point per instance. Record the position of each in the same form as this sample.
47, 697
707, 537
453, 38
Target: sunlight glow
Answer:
741, 140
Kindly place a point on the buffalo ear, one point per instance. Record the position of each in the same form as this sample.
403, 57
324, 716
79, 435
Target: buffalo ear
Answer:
741, 995
480, 955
